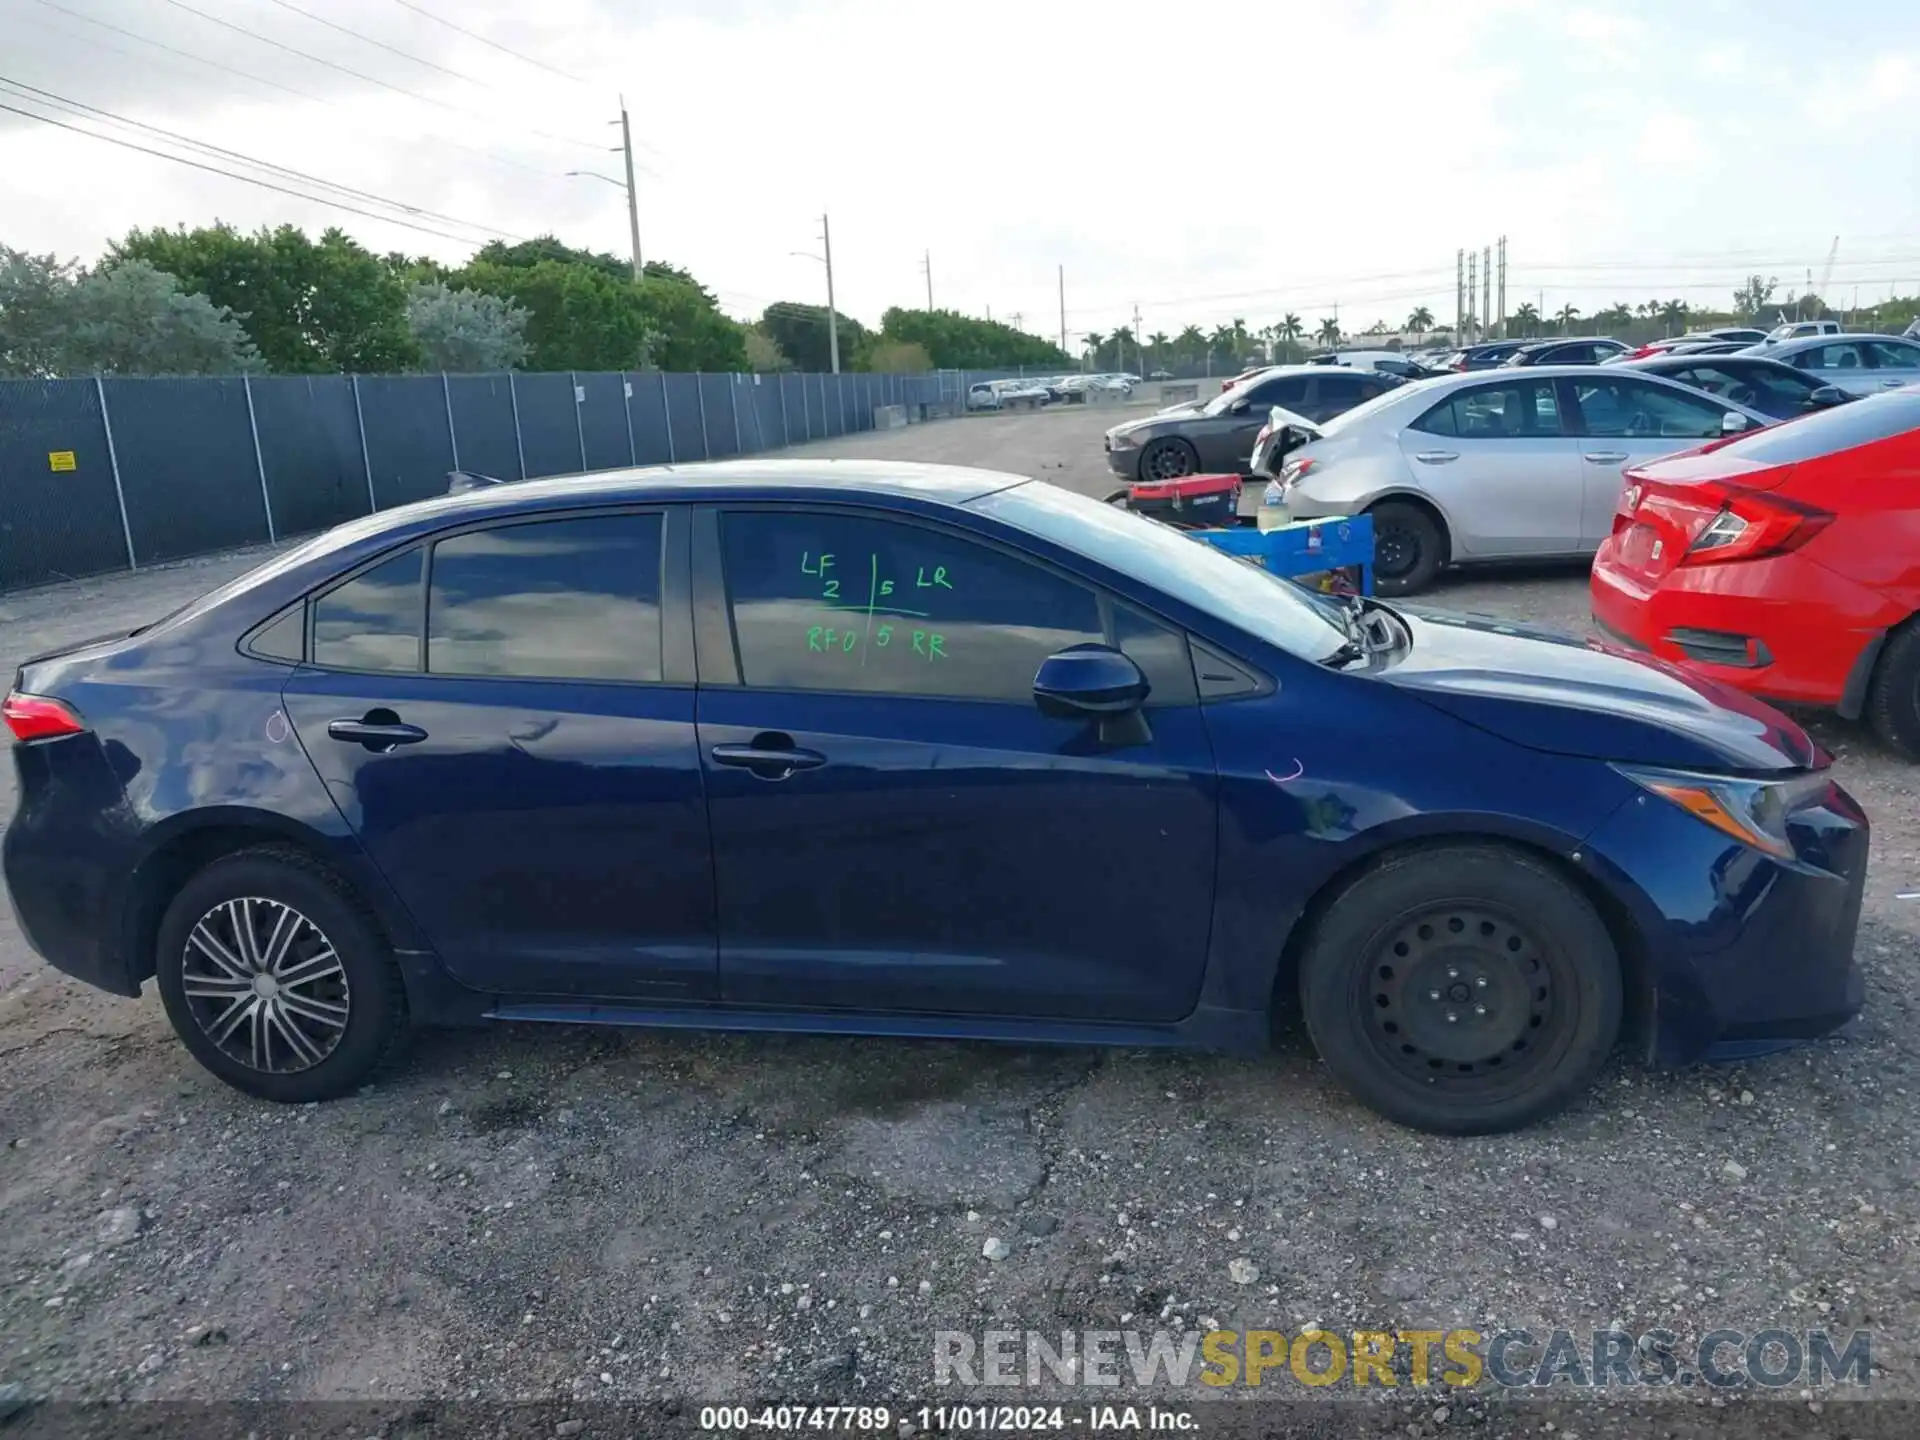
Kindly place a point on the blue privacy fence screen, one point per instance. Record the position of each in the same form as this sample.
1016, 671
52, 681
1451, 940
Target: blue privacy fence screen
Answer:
101, 475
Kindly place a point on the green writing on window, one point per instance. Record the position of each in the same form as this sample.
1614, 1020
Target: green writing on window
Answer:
868, 626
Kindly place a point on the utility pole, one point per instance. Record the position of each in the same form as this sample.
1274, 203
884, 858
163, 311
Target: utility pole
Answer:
833, 322
1139, 355
1503, 287
1063, 309
1014, 318
1473, 287
1486, 289
1459, 305
633, 201
926, 264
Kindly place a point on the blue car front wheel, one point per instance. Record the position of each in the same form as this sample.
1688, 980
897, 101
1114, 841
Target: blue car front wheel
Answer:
1462, 989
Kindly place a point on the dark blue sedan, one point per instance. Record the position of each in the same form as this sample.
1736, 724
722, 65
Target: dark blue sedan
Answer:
897, 750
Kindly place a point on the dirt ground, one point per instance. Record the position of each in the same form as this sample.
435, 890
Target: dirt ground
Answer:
578, 1215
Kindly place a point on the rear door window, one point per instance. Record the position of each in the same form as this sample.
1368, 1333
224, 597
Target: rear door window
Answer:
1524, 409
1844, 355
574, 599
372, 622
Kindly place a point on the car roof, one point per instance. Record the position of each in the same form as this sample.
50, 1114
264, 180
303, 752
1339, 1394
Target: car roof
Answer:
1699, 357
1807, 342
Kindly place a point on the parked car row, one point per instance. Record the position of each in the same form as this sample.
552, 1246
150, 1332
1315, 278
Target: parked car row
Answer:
1034, 391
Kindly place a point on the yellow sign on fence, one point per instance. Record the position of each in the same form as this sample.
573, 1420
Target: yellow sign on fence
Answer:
61, 460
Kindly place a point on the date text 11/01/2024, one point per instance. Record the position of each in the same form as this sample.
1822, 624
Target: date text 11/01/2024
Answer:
879, 610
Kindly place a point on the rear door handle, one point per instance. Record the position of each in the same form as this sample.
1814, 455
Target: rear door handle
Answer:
1436, 457
1606, 457
375, 735
768, 762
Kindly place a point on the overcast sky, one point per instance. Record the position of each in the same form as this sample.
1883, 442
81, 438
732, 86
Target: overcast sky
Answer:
1200, 160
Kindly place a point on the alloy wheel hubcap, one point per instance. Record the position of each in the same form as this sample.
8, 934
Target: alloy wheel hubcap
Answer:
1169, 462
264, 983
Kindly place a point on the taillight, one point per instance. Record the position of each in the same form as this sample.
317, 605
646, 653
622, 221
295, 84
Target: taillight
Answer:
37, 717
1750, 526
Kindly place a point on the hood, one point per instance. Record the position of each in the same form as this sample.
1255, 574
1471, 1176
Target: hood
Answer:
1573, 697
1283, 433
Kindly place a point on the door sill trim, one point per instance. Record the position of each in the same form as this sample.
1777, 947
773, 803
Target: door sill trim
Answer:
1206, 1027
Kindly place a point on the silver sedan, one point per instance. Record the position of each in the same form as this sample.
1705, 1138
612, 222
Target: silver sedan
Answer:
1493, 465
1858, 364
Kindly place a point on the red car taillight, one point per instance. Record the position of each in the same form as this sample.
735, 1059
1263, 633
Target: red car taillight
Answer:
37, 717
1750, 526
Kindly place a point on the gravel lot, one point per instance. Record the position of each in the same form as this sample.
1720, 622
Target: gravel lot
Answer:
576, 1215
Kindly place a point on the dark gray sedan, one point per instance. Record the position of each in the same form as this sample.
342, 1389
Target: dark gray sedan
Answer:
1217, 437
1769, 386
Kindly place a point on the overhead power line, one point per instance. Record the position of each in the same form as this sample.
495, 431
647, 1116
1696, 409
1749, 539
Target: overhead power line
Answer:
232, 175
493, 44
369, 79
378, 44
75, 107
248, 75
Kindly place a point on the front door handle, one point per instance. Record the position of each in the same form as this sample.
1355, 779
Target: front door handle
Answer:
376, 731
1606, 457
768, 761
1436, 457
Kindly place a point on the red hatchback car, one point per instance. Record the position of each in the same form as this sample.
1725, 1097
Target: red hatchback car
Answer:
1785, 562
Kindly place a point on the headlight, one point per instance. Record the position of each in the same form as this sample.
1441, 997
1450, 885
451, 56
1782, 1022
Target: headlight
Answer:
1754, 812
1123, 441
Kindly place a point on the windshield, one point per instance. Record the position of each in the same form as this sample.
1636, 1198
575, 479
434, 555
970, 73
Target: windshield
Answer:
1189, 570
1221, 402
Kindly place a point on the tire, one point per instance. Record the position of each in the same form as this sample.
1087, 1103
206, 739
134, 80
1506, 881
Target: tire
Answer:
1409, 548
1514, 953
1893, 700
338, 1010
1169, 458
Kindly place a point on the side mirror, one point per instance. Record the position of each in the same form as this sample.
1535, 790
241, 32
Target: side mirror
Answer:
1094, 682
1238, 407
1827, 396
1732, 423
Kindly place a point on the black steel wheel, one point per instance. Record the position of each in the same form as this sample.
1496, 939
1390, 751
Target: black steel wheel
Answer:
1408, 548
1463, 990
1169, 458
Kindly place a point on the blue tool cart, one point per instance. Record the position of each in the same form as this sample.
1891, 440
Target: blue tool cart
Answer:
1327, 547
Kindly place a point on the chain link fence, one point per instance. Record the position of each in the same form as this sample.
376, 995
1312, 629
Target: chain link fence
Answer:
102, 475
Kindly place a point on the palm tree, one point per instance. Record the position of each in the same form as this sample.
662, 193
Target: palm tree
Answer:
1420, 321
1673, 313
1221, 341
1122, 342
1158, 340
1192, 343
1240, 336
1526, 319
1093, 342
1291, 328
1566, 316
1329, 332
1615, 315
1647, 309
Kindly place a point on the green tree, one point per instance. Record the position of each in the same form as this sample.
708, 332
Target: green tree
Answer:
1565, 317
1292, 327
800, 330
465, 331
1752, 298
578, 316
1123, 343
1329, 332
33, 311
525, 254
963, 342
1420, 321
1614, 316
57, 319
308, 306
1157, 345
135, 320
1191, 344
1673, 315
1526, 319
763, 355
899, 357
